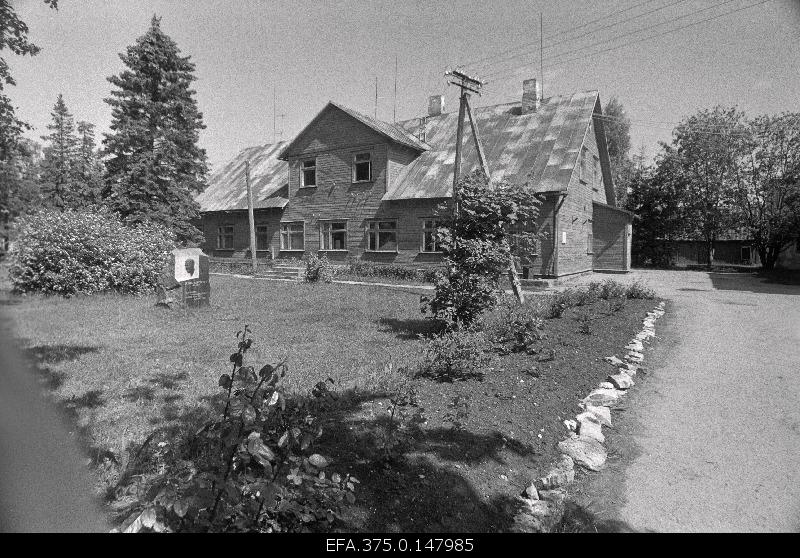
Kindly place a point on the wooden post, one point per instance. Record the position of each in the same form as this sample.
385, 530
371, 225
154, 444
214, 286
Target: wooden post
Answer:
516, 286
250, 216
459, 140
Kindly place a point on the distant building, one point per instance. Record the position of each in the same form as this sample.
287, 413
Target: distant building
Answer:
351, 186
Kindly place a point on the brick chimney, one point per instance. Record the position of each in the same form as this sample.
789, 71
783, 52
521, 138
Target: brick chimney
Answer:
435, 105
531, 95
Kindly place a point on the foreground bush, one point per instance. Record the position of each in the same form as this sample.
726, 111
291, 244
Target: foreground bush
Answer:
86, 252
360, 268
456, 354
318, 269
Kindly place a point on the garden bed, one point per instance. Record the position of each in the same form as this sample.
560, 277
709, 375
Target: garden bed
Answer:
122, 370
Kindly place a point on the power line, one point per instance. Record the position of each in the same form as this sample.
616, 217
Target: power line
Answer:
622, 36
667, 32
551, 45
490, 57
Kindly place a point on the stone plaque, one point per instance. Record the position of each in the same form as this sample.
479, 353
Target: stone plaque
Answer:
185, 279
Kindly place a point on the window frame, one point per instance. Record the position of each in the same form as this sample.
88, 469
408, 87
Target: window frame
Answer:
304, 168
356, 162
425, 230
323, 237
377, 231
221, 235
289, 234
590, 242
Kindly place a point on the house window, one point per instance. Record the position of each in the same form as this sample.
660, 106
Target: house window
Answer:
225, 237
362, 167
308, 174
745, 254
262, 237
382, 236
590, 243
292, 236
430, 242
333, 235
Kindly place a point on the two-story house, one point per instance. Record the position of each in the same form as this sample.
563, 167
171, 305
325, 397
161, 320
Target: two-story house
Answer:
351, 186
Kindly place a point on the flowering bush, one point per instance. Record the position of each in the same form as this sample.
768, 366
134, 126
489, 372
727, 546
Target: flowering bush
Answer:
318, 269
86, 251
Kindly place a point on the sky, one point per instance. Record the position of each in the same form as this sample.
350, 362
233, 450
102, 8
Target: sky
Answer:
305, 53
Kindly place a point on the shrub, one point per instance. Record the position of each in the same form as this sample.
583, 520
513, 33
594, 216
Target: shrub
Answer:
318, 269
87, 251
515, 328
360, 268
638, 290
456, 354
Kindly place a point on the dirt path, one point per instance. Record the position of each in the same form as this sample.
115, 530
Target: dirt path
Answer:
710, 440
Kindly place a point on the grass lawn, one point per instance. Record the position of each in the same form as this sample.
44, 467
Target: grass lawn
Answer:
122, 368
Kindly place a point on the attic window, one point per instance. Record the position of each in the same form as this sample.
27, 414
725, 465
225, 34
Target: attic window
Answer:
362, 167
308, 174
597, 178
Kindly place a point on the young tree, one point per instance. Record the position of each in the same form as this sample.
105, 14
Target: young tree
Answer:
767, 190
154, 166
60, 155
617, 127
708, 146
477, 247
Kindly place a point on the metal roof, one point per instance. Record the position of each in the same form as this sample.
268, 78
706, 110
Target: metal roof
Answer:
539, 147
227, 190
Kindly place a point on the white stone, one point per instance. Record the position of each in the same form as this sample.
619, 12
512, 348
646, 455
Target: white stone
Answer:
606, 385
571, 424
588, 428
629, 371
531, 493
635, 346
613, 360
603, 397
621, 381
562, 474
586, 452
601, 414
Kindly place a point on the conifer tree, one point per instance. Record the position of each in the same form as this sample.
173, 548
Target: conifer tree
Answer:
88, 169
154, 166
58, 188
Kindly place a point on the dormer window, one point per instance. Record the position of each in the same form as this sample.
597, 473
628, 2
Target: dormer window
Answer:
308, 173
362, 167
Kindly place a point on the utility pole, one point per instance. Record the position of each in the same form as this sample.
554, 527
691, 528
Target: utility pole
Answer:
274, 117
376, 97
471, 84
541, 52
250, 216
394, 104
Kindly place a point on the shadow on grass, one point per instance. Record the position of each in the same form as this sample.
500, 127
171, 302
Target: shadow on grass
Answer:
414, 486
411, 329
43, 357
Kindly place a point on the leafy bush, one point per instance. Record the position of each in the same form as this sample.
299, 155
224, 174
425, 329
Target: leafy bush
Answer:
457, 354
477, 248
515, 328
87, 251
318, 269
251, 468
638, 290
607, 289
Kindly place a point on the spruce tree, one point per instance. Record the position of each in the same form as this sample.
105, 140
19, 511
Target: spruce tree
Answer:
58, 188
154, 166
88, 169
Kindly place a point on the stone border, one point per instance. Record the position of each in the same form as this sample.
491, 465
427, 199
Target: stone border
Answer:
541, 506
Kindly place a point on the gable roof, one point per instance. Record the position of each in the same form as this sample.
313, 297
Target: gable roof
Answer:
541, 147
391, 131
268, 175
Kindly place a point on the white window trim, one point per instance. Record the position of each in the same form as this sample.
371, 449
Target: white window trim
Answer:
422, 239
377, 231
354, 167
280, 231
322, 239
303, 173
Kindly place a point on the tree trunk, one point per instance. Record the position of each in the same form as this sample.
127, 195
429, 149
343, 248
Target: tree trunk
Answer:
710, 252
